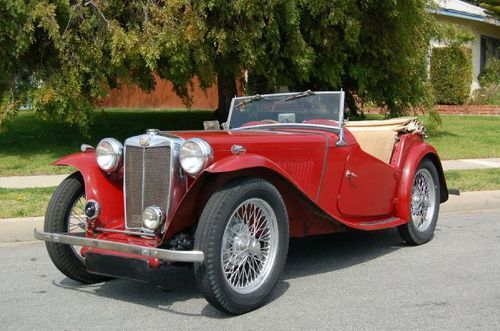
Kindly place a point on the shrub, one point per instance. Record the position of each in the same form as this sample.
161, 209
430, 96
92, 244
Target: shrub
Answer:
489, 95
451, 74
491, 73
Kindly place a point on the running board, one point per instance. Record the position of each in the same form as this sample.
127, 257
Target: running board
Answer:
381, 222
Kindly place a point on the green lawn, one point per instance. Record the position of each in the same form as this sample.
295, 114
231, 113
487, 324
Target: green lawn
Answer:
473, 180
29, 144
467, 137
24, 202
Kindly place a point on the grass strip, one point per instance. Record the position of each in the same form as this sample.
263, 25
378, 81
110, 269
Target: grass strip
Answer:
24, 202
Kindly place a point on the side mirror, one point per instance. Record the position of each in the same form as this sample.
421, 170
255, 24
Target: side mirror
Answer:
211, 125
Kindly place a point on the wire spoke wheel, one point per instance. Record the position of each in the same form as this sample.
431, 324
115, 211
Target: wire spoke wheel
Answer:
77, 221
243, 234
66, 213
423, 199
249, 245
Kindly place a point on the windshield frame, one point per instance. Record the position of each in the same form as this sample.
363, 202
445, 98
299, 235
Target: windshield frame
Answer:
339, 128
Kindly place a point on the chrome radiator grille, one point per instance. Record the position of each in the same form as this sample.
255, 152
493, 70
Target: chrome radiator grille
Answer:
147, 181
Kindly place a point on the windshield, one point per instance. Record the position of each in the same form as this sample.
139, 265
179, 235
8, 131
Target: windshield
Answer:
287, 108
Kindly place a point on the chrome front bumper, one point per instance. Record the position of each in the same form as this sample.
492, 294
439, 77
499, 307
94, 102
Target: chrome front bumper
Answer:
80, 240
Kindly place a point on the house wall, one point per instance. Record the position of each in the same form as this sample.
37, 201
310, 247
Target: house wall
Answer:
478, 29
162, 97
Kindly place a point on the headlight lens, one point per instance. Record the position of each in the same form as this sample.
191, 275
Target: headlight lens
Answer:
195, 155
152, 217
109, 153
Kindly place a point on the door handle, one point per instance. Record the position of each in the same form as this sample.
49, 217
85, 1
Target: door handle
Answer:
350, 174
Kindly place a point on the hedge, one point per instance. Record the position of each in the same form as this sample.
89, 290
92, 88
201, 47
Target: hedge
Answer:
451, 74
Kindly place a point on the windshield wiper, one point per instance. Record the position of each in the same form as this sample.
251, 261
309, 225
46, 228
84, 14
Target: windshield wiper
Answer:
249, 100
307, 93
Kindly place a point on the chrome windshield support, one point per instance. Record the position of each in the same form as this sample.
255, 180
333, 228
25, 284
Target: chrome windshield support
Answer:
79, 239
341, 141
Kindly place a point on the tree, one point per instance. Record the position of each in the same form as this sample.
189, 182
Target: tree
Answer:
59, 57
492, 6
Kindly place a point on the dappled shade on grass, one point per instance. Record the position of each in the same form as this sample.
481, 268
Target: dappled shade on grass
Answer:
30, 144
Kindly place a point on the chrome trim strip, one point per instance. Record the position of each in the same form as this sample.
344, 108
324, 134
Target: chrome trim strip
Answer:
381, 222
324, 168
132, 233
79, 239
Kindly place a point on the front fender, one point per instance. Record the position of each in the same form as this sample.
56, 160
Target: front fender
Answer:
247, 161
417, 152
106, 190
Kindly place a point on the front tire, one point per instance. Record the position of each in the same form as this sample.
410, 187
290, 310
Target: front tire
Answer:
424, 209
243, 233
65, 214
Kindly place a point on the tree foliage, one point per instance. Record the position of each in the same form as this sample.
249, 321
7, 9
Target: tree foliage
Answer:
59, 57
492, 6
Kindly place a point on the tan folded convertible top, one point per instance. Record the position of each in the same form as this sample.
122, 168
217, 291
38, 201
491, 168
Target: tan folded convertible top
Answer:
377, 138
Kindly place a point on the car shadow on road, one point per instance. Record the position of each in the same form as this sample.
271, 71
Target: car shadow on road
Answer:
308, 256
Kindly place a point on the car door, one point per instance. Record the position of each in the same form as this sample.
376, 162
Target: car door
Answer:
368, 186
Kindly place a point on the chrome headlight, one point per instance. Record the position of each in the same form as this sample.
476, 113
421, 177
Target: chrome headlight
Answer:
195, 155
109, 153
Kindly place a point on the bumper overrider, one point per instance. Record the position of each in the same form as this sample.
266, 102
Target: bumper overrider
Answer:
79, 239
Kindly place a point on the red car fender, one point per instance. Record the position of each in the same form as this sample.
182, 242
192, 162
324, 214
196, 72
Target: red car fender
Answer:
192, 203
415, 155
246, 161
106, 190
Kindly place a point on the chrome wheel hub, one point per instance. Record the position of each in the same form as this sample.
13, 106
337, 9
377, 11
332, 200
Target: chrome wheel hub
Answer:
423, 199
249, 246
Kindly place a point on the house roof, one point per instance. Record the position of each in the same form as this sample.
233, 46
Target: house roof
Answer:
464, 10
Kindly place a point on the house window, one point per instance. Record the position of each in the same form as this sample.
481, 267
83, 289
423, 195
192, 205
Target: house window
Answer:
490, 48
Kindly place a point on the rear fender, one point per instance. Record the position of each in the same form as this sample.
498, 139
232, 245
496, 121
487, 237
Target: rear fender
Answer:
416, 154
106, 190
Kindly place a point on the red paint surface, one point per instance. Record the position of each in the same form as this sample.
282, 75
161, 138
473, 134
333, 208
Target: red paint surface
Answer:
306, 166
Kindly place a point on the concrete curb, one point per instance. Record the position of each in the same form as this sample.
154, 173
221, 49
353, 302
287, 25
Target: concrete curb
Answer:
469, 201
21, 229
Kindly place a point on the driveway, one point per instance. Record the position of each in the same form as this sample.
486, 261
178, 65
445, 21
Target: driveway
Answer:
353, 280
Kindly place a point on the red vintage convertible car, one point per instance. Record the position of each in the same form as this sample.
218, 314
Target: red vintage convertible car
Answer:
227, 201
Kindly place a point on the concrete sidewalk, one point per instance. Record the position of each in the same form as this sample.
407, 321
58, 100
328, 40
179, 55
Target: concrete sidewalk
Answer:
21, 229
50, 181
471, 164
31, 181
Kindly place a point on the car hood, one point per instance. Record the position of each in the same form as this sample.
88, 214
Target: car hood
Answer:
257, 139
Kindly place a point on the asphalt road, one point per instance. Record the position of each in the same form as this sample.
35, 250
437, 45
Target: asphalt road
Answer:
344, 281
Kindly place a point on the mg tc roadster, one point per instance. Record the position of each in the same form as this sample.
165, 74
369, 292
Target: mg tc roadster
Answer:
227, 200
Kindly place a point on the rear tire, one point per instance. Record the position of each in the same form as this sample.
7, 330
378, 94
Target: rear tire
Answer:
57, 220
424, 208
243, 233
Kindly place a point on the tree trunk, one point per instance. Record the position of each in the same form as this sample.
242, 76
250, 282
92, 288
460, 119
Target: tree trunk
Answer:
351, 111
226, 88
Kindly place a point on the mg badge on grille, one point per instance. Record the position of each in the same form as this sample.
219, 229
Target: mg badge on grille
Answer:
144, 141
